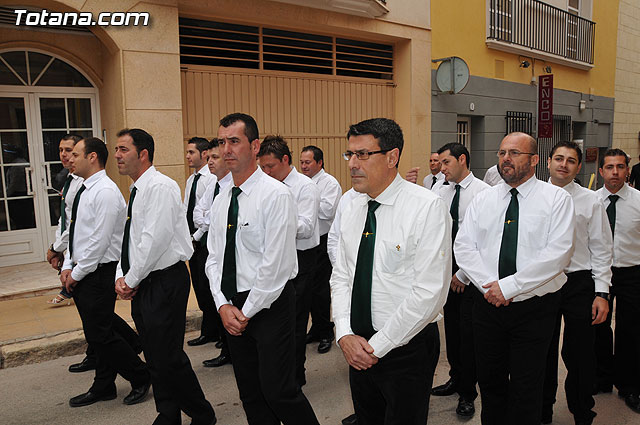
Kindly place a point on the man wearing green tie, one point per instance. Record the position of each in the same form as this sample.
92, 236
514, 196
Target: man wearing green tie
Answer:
514, 244
622, 204
390, 280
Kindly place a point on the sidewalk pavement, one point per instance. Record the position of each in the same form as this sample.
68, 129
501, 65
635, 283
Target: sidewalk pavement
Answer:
32, 331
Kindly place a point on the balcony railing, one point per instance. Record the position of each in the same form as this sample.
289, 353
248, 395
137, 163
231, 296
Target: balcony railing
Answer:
536, 25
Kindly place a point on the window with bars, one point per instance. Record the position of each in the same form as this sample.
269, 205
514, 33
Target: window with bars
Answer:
519, 121
253, 47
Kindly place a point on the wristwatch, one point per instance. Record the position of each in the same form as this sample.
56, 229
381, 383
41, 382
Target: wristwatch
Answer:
604, 295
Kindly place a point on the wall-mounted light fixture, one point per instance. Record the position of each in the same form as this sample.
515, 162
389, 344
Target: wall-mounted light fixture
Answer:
547, 69
525, 64
582, 105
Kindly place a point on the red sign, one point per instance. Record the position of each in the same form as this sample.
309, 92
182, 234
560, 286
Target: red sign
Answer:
545, 105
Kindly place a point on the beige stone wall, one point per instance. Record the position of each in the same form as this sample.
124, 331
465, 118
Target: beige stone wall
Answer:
626, 128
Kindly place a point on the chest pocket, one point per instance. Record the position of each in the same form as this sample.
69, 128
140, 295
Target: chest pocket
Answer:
533, 231
252, 238
392, 256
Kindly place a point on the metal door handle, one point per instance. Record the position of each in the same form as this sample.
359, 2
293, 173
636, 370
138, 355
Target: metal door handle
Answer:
27, 174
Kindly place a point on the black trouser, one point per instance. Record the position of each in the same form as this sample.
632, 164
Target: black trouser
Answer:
301, 283
468, 377
211, 323
577, 348
95, 300
396, 390
321, 324
159, 311
512, 344
123, 329
623, 368
264, 365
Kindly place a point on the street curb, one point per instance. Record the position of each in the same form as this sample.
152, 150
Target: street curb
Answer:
70, 343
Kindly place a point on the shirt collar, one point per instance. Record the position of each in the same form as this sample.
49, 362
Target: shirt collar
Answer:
88, 183
318, 175
622, 193
466, 181
75, 177
389, 195
225, 180
570, 187
204, 170
524, 189
144, 179
251, 182
291, 177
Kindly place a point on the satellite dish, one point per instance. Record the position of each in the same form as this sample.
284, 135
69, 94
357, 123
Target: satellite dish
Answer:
452, 75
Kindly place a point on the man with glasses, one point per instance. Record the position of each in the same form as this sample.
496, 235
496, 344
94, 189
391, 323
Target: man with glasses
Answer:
390, 280
514, 244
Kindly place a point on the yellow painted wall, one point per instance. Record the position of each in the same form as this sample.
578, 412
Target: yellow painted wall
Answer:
459, 28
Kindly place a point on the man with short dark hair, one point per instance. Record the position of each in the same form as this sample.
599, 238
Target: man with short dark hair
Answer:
197, 184
252, 258
390, 280
634, 177
623, 211
584, 296
514, 244
462, 187
274, 158
153, 274
95, 237
312, 166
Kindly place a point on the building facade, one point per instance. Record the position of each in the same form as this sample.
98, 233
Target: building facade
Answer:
305, 69
507, 45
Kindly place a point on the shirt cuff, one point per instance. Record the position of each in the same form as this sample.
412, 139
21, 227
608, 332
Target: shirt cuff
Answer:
77, 275
381, 344
508, 287
219, 299
463, 277
249, 309
59, 246
198, 235
343, 327
131, 281
602, 286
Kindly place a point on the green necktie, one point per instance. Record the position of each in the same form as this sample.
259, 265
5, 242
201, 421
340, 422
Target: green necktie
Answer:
74, 215
435, 179
63, 211
192, 203
454, 211
229, 285
611, 212
509, 246
203, 239
124, 256
361, 293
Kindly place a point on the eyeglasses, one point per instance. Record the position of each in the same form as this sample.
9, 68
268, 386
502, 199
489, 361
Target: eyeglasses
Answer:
513, 153
362, 155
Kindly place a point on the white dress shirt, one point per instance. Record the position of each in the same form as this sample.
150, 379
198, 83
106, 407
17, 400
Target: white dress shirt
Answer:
626, 240
470, 186
265, 241
593, 244
159, 235
62, 238
307, 196
411, 266
203, 183
333, 237
201, 210
99, 226
330, 193
428, 180
492, 177
545, 239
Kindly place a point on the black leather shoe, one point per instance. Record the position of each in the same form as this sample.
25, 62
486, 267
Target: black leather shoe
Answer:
90, 398
86, 364
350, 420
219, 344
325, 345
447, 388
602, 388
221, 360
633, 401
465, 408
137, 395
201, 340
